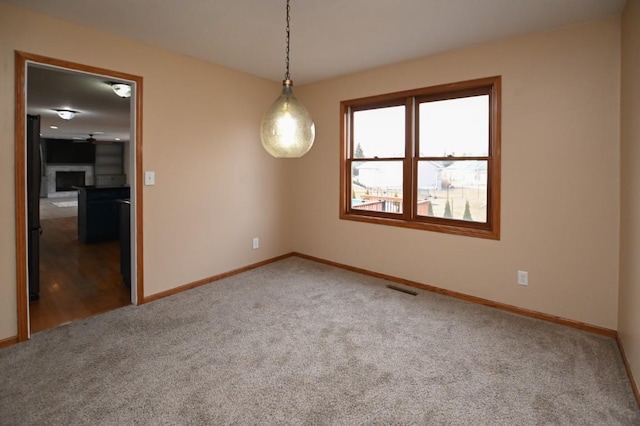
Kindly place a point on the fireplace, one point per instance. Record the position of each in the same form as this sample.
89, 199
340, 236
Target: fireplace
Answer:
56, 172
65, 181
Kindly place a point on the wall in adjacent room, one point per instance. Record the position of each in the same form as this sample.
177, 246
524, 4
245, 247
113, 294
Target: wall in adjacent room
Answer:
216, 187
560, 177
629, 317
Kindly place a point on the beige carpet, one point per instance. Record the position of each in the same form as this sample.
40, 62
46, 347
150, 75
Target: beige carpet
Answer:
296, 342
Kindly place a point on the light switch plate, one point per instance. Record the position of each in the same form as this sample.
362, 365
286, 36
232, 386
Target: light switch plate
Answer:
149, 178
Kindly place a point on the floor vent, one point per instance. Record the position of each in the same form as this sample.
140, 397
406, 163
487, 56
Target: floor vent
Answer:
404, 290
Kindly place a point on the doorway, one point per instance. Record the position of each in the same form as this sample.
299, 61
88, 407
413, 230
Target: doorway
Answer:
99, 264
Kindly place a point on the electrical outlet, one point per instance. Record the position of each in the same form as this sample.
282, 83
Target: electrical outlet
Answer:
523, 278
256, 243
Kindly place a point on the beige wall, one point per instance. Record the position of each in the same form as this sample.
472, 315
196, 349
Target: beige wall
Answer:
560, 177
629, 315
216, 187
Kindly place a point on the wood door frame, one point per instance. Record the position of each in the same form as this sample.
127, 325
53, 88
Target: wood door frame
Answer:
21, 60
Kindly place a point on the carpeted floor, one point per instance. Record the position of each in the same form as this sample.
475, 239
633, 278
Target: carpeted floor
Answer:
296, 342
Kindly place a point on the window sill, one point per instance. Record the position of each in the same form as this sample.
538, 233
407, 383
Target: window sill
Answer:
474, 230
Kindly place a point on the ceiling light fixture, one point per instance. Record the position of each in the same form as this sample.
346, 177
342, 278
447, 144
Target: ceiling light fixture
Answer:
122, 90
66, 114
287, 130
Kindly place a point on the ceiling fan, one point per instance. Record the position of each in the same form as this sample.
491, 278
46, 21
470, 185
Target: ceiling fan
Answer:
93, 140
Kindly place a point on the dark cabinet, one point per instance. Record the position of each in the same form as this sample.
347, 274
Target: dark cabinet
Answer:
125, 242
99, 213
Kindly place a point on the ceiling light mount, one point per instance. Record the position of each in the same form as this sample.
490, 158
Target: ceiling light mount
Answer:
121, 89
66, 114
287, 130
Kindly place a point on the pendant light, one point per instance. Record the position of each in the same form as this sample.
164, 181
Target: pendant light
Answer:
287, 130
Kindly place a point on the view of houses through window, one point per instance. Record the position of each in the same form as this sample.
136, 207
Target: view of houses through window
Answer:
426, 158
446, 188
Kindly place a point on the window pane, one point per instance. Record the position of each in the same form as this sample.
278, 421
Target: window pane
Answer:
379, 132
377, 186
454, 190
456, 127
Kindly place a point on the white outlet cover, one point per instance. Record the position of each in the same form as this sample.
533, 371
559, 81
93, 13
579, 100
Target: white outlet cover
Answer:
149, 178
523, 278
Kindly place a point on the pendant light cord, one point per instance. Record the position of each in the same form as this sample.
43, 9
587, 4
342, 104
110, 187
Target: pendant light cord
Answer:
286, 74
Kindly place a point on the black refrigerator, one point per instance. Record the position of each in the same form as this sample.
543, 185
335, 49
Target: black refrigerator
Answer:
34, 178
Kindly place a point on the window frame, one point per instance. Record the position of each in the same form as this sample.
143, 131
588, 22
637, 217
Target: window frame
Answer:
411, 99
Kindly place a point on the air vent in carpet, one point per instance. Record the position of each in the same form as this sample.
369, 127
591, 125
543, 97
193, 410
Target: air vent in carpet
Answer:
404, 290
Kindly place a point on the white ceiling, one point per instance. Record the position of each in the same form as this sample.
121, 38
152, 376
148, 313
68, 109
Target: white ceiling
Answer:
329, 38
100, 112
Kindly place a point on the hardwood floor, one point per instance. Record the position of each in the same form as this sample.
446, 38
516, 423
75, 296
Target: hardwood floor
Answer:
76, 280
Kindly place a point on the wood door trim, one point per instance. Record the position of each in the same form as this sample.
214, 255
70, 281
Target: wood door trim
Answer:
21, 59
21, 201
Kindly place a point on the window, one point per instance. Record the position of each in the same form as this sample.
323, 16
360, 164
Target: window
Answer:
426, 159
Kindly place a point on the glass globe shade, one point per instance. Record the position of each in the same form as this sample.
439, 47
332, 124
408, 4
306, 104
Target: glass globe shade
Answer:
122, 90
66, 114
287, 130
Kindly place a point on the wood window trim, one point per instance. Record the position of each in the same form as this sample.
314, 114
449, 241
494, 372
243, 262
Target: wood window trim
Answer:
489, 229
